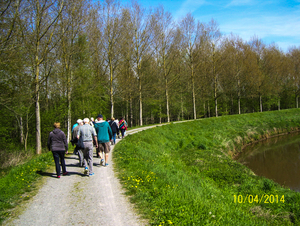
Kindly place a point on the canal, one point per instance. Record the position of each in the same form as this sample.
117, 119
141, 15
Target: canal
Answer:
277, 158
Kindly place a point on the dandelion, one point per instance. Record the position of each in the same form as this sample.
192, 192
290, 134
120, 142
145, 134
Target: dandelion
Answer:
170, 222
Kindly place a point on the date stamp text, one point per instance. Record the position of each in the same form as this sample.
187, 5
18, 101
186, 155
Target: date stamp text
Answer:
265, 198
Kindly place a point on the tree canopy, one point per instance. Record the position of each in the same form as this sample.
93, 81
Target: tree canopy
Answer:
67, 59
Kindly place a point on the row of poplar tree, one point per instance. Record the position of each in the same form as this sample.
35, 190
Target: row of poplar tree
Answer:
68, 59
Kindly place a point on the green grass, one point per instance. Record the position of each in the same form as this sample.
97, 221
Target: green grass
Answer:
184, 174
18, 182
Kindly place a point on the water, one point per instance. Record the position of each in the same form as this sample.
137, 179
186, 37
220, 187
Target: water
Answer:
276, 158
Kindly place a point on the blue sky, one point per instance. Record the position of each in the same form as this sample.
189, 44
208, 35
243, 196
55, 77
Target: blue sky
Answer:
274, 21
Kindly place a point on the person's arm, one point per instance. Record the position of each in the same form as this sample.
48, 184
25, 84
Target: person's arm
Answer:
65, 141
78, 134
49, 142
96, 141
110, 133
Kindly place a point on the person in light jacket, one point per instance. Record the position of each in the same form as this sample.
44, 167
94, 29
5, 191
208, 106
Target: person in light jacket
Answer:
57, 143
87, 133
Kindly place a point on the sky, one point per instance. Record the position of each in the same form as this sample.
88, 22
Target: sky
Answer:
275, 21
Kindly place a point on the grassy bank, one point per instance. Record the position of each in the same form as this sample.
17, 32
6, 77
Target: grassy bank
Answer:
184, 174
17, 183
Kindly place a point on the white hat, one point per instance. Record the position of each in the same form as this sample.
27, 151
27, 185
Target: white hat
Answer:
79, 121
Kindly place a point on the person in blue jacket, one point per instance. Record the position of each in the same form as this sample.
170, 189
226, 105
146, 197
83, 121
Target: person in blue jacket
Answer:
104, 136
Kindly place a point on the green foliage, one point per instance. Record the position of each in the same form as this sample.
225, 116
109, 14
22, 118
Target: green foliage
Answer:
18, 181
183, 174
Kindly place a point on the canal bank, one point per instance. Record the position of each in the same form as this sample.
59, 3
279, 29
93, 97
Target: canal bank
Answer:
185, 174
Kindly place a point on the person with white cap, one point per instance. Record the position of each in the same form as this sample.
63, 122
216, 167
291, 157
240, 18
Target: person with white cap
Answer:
78, 149
86, 134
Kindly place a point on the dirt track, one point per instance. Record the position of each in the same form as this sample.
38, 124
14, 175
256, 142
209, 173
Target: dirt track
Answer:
77, 199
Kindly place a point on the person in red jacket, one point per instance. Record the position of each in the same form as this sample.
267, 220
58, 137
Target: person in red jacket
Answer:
58, 144
122, 126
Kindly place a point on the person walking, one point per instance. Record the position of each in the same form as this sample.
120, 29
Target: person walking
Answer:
114, 128
86, 134
104, 135
57, 143
122, 127
78, 148
118, 133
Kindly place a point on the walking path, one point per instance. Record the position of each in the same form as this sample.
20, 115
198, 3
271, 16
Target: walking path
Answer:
77, 199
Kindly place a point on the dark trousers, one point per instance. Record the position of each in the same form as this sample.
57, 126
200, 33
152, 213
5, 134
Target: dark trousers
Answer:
59, 155
122, 132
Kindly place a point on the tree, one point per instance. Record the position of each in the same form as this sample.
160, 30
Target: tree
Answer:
167, 40
111, 35
190, 50
72, 22
142, 40
294, 69
260, 79
214, 37
39, 26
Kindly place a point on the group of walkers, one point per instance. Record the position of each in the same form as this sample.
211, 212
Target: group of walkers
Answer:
86, 134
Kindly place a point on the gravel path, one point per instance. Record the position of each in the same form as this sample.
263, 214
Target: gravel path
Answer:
77, 199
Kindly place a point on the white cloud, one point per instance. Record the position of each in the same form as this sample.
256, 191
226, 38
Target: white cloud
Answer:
264, 26
275, 28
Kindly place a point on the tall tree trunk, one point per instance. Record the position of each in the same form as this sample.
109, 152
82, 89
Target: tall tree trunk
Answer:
69, 124
141, 103
127, 111
27, 130
216, 106
160, 114
37, 102
111, 91
239, 104
260, 103
21, 131
239, 97
181, 107
38, 118
215, 92
167, 101
208, 108
194, 95
131, 111
279, 104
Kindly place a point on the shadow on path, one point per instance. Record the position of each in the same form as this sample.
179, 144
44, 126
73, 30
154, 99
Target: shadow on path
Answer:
47, 174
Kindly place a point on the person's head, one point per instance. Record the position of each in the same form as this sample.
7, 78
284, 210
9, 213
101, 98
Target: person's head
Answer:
100, 117
92, 119
80, 122
86, 120
56, 125
112, 119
